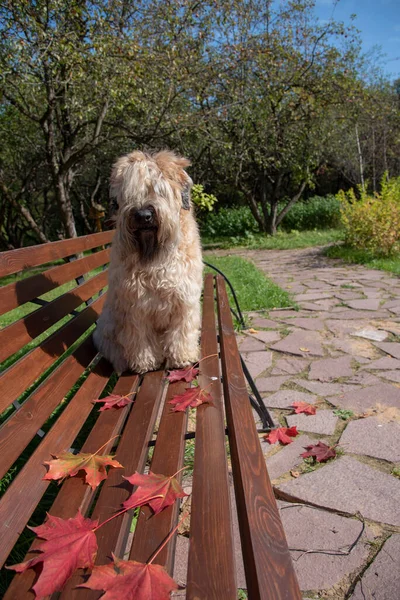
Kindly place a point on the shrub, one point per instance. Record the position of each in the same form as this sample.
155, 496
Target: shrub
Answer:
202, 200
373, 222
229, 222
315, 213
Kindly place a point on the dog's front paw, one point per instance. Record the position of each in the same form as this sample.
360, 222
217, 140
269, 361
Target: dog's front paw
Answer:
176, 363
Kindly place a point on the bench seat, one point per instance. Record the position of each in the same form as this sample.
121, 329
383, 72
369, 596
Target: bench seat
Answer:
47, 393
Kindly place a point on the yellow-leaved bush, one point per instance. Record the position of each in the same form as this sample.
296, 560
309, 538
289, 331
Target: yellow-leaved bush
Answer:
372, 222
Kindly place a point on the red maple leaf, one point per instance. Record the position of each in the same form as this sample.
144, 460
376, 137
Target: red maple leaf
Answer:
166, 488
70, 544
191, 397
281, 434
320, 451
187, 375
114, 401
131, 580
68, 465
304, 407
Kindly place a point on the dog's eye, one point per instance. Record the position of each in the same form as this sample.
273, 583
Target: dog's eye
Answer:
113, 206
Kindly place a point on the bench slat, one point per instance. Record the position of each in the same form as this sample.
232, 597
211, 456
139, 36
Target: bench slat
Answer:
132, 453
16, 507
269, 571
211, 575
151, 530
21, 427
16, 335
17, 293
13, 261
24, 372
74, 493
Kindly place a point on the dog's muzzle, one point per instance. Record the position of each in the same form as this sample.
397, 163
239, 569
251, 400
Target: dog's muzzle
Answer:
144, 218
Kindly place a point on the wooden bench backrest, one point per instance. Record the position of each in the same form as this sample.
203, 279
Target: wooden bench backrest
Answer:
74, 422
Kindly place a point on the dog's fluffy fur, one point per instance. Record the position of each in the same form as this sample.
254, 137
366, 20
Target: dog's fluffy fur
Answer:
152, 311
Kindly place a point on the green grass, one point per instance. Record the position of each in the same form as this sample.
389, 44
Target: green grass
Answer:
254, 290
281, 241
364, 257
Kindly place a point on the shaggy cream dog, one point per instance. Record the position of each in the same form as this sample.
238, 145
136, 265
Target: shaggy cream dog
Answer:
152, 311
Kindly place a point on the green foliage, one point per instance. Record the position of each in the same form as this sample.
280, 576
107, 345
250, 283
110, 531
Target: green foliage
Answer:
372, 222
315, 213
229, 222
281, 241
343, 413
365, 257
202, 200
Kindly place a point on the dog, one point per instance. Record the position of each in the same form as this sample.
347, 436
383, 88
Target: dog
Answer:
152, 312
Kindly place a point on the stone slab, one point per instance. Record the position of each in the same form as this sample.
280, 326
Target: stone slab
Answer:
267, 337
383, 363
288, 456
391, 348
355, 347
391, 375
316, 531
349, 486
365, 378
323, 422
312, 296
358, 314
289, 366
271, 384
310, 323
381, 581
285, 398
375, 335
257, 362
372, 437
326, 389
293, 343
329, 369
265, 323
248, 344
369, 397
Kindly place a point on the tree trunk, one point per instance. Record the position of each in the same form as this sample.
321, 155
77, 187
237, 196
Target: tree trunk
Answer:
289, 205
373, 160
25, 213
65, 207
360, 158
271, 223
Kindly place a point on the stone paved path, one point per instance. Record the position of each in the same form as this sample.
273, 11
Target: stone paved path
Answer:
339, 351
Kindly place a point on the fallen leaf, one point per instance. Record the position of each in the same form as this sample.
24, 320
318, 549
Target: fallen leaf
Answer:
191, 397
251, 330
131, 580
114, 401
304, 349
281, 434
167, 489
70, 544
304, 407
295, 474
183, 374
68, 465
320, 451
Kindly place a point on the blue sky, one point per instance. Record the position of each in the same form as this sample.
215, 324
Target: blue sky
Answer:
378, 22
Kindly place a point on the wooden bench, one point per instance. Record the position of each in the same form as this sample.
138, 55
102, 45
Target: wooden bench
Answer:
45, 418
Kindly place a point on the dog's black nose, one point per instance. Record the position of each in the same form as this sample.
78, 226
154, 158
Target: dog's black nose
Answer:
144, 216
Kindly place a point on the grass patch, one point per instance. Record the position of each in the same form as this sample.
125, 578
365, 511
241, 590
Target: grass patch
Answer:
365, 257
254, 290
281, 241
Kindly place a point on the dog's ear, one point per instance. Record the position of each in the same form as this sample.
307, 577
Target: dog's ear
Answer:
185, 193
